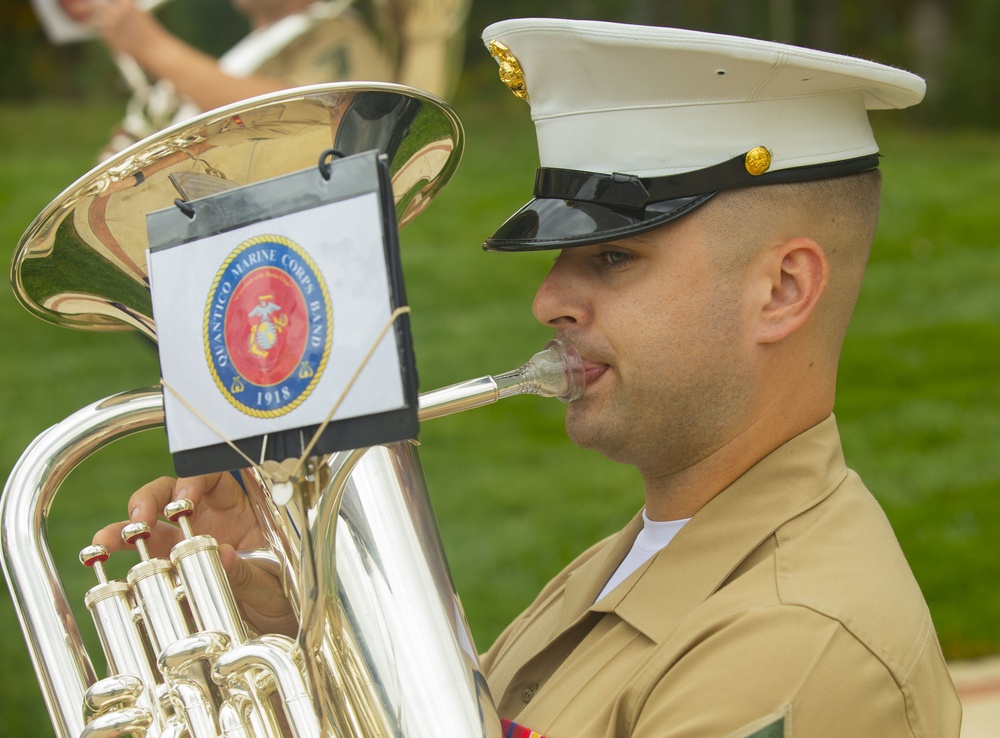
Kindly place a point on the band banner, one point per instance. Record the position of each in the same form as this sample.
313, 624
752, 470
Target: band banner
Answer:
269, 300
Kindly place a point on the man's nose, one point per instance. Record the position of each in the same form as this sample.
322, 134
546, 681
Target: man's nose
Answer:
560, 300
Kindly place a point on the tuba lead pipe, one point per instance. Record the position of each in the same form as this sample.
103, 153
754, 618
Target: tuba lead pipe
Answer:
555, 371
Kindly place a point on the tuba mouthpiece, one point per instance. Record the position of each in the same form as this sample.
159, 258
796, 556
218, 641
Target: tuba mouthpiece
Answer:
555, 371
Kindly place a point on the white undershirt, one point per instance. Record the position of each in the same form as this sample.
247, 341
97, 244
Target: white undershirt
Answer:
655, 535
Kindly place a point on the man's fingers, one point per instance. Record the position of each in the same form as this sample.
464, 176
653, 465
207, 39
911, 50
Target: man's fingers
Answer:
161, 539
110, 536
144, 506
258, 592
259, 595
220, 491
146, 503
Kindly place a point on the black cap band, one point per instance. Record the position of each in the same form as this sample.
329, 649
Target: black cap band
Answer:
574, 208
629, 192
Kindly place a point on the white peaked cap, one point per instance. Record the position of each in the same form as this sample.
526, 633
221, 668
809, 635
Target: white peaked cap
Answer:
654, 103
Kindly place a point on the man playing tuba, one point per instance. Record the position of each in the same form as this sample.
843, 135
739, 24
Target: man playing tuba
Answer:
713, 202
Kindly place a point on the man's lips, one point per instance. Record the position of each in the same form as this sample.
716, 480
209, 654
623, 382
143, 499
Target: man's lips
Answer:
593, 370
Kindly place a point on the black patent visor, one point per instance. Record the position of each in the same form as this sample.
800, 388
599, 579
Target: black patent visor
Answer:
576, 208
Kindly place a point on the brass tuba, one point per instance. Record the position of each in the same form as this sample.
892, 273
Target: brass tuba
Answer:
383, 649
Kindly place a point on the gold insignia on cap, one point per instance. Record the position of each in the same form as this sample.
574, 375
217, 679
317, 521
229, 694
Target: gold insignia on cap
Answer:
758, 160
510, 69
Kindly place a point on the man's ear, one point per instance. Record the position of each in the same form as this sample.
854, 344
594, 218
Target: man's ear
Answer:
794, 275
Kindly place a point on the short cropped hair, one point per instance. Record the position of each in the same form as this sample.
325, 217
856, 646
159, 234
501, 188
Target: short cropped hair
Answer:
840, 214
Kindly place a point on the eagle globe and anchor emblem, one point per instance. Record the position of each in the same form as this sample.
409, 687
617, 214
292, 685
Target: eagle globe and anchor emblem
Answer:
268, 326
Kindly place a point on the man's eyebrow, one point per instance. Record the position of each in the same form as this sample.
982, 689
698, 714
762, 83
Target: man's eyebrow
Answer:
639, 239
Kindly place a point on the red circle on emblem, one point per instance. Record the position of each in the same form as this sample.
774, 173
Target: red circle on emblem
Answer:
266, 326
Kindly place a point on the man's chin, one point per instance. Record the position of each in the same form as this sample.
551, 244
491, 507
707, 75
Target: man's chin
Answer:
587, 431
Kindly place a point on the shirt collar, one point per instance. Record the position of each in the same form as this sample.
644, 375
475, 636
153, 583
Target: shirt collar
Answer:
791, 479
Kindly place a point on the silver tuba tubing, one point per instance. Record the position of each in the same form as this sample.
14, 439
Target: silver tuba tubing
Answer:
383, 648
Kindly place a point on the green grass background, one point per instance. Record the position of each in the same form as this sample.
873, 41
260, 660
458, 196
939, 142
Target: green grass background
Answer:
918, 404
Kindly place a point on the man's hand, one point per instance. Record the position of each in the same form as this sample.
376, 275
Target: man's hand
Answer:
124, 26
222, 510
131, 31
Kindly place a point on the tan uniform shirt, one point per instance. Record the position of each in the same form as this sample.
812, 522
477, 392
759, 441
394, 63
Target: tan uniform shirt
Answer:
783, 608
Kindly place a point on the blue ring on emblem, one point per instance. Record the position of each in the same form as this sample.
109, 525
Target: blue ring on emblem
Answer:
279, 256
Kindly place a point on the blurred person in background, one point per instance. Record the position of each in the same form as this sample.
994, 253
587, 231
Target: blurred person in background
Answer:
291, 43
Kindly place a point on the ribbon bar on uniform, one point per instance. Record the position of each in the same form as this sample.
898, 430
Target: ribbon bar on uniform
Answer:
513, 730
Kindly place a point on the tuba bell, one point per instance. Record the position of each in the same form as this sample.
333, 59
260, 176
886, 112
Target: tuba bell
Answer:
382, 648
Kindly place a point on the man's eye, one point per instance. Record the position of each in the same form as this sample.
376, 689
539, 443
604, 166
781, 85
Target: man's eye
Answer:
616, 258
